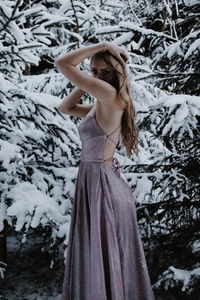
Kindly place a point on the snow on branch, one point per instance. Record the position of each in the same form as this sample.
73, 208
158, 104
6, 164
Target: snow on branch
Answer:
176, 277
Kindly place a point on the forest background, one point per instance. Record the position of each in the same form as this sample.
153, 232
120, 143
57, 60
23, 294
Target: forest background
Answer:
40, 147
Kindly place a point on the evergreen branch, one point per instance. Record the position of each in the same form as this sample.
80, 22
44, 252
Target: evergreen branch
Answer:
77, 25
12, 15
163, 74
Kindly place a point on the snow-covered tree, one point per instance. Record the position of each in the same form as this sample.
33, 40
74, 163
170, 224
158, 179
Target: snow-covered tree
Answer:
35, 146
40, 148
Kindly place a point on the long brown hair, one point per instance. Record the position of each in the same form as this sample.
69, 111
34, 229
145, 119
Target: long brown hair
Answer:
129, 129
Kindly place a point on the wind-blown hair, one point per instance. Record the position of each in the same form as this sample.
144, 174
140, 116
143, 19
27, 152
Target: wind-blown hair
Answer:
129, 129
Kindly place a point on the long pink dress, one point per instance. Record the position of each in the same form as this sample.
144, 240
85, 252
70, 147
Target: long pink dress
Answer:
105, 257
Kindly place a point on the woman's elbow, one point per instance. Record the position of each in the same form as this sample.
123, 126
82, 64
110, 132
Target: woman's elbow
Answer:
61, 110
56, 62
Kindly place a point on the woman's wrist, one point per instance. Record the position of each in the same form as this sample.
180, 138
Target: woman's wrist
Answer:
106, 46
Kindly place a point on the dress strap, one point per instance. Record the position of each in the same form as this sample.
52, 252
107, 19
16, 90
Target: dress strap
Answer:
112, 141
108, 134
114, 130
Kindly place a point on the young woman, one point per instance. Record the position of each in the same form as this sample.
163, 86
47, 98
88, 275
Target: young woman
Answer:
105, 257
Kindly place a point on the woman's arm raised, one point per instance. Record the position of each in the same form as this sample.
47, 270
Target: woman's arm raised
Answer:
69, 104
70, 101
94, 86
75, 57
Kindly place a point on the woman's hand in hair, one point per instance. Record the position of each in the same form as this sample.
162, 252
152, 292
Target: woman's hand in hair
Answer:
119, 52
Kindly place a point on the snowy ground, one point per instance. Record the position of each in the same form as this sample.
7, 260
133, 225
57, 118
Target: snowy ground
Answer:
29, 277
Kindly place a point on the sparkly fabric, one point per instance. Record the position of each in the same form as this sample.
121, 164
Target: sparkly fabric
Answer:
105, 257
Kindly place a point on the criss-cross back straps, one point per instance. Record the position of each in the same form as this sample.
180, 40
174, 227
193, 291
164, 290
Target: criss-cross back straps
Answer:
111, 133
108, 134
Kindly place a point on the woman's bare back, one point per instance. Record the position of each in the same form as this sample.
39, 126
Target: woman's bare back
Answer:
109, 120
